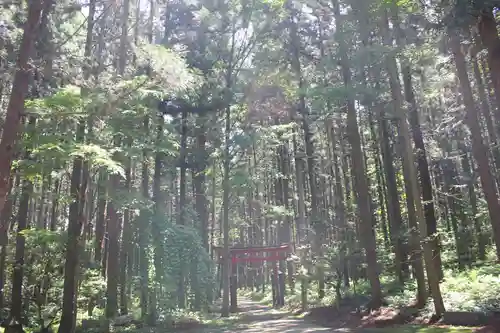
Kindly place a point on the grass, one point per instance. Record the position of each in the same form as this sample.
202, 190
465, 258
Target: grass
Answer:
418, 329
474, 290
223, 325
477, 290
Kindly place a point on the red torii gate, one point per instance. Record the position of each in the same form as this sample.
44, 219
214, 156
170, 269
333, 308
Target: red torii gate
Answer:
267, 253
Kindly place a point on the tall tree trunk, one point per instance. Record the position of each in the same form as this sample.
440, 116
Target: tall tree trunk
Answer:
394, 207
100, 225
181, 292
479, 149
225, 225
55, 205
363, 195
155, 226
113, 262
470, 180
22, 224
72, 258
114, 217
487, 28
199, 182
200, 194
381, 187
316, 223
450, 183
15, 108
6, 218
301, 207
226, 186
423, 169
408, 164
126, 245
485, 109
144, 219
143, 223
18, 271
339, 204
67, 324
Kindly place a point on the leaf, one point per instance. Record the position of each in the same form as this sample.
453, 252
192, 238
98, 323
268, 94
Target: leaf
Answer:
98, 157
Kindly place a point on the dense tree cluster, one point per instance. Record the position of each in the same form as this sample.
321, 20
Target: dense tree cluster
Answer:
139, 135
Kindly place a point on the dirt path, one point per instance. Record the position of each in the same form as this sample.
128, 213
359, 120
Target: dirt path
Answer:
256, 318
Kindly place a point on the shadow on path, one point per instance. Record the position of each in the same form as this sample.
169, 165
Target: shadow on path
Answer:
258, 318
253, 317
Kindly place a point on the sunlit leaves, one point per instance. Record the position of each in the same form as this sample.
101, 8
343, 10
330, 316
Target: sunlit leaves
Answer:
42, 237
278, 212
275, 135
240, 178
275, 3
402, 3
98, 157
182, 245
165, 67
65, 102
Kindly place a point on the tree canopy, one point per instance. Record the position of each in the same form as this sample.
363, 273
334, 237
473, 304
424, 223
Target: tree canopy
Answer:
140, 135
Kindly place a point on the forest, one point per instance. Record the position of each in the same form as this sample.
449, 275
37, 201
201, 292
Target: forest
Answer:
141, 140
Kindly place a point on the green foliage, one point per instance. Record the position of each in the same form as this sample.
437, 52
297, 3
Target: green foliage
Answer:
474, 290
460, 14
182, 247
44, 252
275, 65
65, 102
277, 212
99, 157
166, 69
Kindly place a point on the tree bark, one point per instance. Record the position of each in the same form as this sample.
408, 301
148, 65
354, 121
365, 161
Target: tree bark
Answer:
409, 165
22, 224
143, 229
362, 192
67, 324
479, 149
181, 293
226, 269
15, 108
423, 169
488, 33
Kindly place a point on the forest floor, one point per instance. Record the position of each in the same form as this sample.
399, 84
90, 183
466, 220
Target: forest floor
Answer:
254, 317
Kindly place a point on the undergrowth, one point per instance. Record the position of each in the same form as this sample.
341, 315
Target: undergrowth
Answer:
477, 290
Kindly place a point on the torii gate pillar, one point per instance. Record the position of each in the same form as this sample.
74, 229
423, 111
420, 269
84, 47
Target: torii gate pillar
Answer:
264, 253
